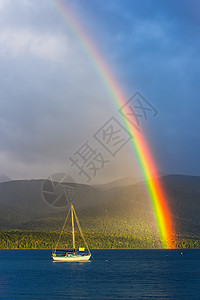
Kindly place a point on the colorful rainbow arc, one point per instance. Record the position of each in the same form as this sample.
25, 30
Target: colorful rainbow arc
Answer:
144, 156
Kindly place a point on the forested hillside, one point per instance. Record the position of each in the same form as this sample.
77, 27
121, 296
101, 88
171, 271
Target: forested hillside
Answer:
119, 211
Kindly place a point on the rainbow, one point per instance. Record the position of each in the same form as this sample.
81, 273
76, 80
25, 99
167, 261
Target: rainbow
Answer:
139, 144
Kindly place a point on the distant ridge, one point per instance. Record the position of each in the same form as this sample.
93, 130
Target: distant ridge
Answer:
119, 182
120, 207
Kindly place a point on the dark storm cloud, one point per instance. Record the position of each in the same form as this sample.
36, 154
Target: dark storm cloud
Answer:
155, 46
52, 99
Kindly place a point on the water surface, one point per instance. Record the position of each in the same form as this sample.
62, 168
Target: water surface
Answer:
115, 274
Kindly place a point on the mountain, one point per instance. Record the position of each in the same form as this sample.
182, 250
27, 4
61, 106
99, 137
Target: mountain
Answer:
125, 181
183, 193
33, 198
125, 208
10, 218
119, 182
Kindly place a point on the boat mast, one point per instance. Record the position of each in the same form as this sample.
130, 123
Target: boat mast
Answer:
73, 235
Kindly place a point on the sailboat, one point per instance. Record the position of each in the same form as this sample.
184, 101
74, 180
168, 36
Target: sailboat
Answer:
77, 255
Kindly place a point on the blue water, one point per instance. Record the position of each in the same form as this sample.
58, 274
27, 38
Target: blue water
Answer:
115, 274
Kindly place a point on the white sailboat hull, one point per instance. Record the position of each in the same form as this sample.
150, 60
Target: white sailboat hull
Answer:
76, 258
72, 255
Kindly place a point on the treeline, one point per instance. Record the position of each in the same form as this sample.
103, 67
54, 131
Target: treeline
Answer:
48, 240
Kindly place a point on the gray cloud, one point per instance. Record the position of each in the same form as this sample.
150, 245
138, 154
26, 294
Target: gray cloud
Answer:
52, 99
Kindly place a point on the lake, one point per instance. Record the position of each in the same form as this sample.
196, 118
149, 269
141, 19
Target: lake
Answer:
115, 274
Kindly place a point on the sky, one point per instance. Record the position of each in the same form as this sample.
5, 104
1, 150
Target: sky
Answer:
53, 101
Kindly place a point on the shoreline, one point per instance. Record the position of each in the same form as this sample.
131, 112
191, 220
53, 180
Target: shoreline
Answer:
172, 249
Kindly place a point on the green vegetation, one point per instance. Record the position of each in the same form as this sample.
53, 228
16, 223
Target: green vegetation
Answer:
111, 217
142, 224
47, 239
